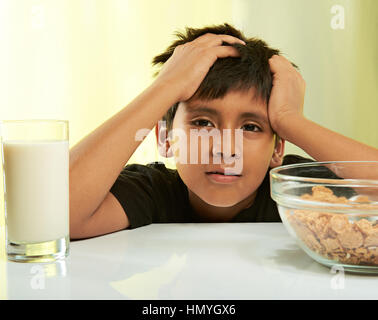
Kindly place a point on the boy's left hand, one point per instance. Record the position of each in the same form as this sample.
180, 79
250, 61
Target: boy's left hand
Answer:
287, 95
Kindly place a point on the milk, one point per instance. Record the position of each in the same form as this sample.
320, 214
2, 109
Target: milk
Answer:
36, 190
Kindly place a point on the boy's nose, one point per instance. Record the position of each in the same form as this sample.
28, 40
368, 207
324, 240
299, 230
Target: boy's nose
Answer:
230, 145
226, 155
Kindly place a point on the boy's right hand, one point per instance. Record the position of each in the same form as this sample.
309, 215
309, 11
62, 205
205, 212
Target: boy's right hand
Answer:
187, 67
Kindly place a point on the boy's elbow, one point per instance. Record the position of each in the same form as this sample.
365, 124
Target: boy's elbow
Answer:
76, 229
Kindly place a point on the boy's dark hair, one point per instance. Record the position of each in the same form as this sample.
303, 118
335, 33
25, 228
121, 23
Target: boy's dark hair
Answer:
250, 70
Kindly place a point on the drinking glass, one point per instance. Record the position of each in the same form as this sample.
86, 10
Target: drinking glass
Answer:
35, 159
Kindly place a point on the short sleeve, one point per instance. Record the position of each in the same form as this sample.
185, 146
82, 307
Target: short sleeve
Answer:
151, 193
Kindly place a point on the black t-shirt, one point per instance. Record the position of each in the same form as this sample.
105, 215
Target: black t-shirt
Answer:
153, 193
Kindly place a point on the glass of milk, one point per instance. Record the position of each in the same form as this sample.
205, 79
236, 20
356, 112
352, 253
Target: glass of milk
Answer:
35, 156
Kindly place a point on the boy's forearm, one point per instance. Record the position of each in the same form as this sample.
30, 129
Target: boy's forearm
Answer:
97, 160
326, 145
285, 109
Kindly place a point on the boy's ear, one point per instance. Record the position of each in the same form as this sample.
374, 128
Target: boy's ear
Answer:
162, 141
278, 153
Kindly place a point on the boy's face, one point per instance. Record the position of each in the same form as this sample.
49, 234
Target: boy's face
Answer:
249, 152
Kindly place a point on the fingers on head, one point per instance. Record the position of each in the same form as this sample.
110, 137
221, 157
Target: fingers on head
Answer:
226, 51
278, 62
211, 39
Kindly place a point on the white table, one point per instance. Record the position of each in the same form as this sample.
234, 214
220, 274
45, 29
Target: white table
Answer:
187, 261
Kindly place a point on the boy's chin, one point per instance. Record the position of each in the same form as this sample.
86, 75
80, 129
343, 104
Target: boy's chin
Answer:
220, 202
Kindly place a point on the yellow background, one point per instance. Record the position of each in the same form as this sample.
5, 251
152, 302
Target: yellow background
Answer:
84, 60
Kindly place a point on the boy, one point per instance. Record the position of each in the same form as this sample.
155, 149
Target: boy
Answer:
213, 78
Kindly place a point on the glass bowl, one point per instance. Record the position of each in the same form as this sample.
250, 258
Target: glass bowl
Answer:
331, 209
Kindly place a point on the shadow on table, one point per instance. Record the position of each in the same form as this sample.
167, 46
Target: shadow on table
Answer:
293, 256
296, 258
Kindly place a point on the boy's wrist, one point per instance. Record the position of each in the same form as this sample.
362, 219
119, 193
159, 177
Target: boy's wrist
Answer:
167, 90
290, 127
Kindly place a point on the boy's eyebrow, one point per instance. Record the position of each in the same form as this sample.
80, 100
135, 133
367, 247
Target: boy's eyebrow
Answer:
202, 109
254, 115
243, 115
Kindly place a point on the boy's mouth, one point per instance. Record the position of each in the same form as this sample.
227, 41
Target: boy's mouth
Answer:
223, 173
220, 176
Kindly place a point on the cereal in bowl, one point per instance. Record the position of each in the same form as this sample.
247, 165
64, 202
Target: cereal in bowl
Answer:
333, 235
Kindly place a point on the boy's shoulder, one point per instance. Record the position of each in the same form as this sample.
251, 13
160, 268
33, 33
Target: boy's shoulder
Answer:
155, 168
294, 158
158, 165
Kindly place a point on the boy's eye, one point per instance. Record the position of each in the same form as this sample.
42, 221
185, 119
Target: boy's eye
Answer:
251, 127
201, 123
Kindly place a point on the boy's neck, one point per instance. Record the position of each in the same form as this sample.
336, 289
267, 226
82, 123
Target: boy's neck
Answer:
208, 213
